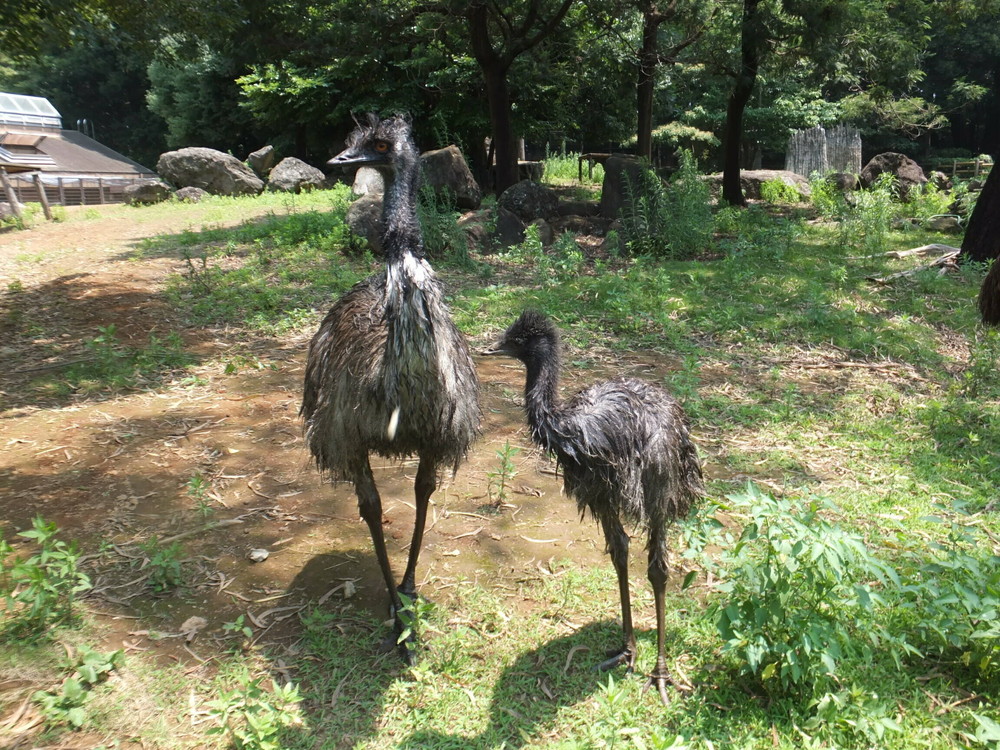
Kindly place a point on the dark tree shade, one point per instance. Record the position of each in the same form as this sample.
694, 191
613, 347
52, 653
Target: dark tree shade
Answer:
982, 243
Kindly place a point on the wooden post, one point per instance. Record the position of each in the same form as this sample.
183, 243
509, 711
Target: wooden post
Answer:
100, 189
42, 197
62, 192
83, 192
9, 192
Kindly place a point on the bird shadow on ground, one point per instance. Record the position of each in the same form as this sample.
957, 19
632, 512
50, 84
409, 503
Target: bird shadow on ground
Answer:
531, 692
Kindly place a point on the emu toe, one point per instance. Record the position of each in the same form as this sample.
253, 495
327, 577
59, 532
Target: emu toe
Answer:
660, 680
617, 657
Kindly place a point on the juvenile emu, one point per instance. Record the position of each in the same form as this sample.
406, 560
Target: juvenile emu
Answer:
626, 455
388, 372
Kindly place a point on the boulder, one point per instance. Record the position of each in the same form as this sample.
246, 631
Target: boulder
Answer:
529, 201
578, 208
368, 181
530, 170
945, 223
364, 217
293, 175
845, 182
210, 170
752, 179
907, 172
146, 192
508, 228
261, 161
623, 175
190, 194
7, 210
545, 233
446, 171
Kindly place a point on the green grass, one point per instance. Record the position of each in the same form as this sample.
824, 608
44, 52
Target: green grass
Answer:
798, 373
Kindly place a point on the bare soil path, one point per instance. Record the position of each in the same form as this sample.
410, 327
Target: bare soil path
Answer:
215, 460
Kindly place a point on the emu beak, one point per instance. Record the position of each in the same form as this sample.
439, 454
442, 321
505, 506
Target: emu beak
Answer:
496, 348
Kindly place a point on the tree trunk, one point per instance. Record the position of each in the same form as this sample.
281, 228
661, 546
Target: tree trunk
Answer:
504, 143
732, 192
982, 236
646, 84
982, 243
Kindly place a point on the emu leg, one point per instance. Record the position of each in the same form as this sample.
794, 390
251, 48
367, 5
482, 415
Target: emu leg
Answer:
370, 506
657, 571
617, 539
423, 488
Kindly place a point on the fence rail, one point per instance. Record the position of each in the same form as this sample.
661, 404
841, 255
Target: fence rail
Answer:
72, 191
962, 167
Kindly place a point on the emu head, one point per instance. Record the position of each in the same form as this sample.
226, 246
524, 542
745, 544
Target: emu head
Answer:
530, 337
383, 144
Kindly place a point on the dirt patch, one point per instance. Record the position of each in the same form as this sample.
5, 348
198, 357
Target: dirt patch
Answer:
216, 463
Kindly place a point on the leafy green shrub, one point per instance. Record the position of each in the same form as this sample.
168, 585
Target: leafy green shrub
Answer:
39, 592
443, 238
796, 594
950, 601
674, 221
779, 191
926, 201
252, 717
866, 223
562, 169
65, 704
826, 197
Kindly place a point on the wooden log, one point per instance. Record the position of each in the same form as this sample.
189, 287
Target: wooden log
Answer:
42, 197
8, 190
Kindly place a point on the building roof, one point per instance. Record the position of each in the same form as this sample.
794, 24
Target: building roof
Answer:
32, 138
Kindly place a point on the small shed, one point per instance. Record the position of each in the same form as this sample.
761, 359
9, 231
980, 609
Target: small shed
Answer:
74, 168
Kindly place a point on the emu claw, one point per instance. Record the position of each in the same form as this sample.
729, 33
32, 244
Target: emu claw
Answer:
617, 657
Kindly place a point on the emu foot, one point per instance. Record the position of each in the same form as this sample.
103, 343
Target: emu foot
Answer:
405, 647
660, 679
616, 657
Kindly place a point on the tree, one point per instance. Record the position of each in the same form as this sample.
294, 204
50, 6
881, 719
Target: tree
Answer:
751, 39
650, 56
497, 38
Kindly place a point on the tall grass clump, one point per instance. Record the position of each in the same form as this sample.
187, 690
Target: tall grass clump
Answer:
564, 169
866, 223
826, 197
673, 221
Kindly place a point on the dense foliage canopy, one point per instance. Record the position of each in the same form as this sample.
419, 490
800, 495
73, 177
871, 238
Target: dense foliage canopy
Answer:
917, 76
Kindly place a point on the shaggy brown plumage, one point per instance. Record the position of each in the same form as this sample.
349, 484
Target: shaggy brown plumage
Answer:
626, 455
388, 372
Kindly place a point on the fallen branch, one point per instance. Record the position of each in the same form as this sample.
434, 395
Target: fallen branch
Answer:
943, 263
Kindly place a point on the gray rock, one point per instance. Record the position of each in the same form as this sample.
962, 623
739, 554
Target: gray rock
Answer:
368, 181
293, 175
907, 172
7, 210
210, 170
529, 201
364, 217
190, 194
508, 229
623, 175
261, 161
146, 192
446, 171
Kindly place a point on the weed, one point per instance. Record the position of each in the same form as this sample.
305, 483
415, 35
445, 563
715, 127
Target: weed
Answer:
865, 226
238, 629
252, 718
778, 191
40, 591
826, 197
164, 564
415, 615
501, 477
796, 597
64, 705
674, 221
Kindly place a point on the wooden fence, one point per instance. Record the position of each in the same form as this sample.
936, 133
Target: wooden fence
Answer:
72, 191
964, 168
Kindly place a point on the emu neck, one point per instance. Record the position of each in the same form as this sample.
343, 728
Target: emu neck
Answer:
541, 394
399, 211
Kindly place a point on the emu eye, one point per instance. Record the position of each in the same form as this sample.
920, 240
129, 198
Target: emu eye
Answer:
381, 146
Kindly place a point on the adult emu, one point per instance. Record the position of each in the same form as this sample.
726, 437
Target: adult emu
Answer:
626, 455
388, 372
